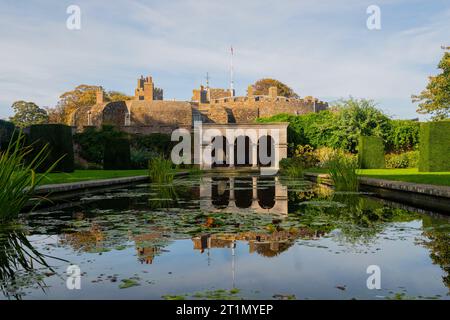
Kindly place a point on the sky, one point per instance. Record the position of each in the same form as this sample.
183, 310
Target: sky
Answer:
320, 48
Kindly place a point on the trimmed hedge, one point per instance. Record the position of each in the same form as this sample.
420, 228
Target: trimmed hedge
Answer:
370, 152
434, 146
117, 155
6, 132
60, 145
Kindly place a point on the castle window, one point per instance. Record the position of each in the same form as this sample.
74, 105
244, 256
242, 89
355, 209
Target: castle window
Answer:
127, 119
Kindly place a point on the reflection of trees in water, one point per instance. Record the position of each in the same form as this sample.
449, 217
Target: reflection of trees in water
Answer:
166, 196
90, 240
306, 193
438, 233
17, 256
359, 219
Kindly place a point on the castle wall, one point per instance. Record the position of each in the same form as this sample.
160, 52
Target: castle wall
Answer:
248, 109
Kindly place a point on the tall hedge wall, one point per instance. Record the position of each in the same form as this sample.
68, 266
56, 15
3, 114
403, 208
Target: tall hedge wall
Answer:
117, 154
434, 146
370, 152
60, 144
6, 132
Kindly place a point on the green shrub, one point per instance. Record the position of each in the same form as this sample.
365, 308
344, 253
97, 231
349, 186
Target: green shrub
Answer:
141, 157
155, 143
18, 178
58, 137
434, 146
408, 159
325, 154
161, 170
117, 154
305, 156
370, 152
403, 136
291, 167
6, 132
343, 172
92, 142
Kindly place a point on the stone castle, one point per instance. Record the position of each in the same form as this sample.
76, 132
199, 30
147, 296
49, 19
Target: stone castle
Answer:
148, 112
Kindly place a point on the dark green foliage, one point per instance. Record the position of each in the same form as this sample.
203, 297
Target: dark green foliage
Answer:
60, 145
434, 146
117, 154
6, 132
291, 167
92, 142
147, 147
370, 152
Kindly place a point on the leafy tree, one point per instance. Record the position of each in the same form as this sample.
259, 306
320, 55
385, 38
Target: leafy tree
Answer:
338, 128
28, 113
359, 117
261, 87
435, 99
116, 96
82, 96
403, 136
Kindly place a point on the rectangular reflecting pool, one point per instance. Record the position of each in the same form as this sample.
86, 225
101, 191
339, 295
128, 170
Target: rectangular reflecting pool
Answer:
223, 237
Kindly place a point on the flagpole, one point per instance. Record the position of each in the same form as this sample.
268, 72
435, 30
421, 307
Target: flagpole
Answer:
231, 74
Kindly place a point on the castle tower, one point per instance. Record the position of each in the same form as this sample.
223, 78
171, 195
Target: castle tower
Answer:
250, 91
99, 95
145, 89
273, 92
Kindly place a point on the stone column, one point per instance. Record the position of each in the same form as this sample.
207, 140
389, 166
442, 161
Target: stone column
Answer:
254, 146
230, 154
231, 189
254, 188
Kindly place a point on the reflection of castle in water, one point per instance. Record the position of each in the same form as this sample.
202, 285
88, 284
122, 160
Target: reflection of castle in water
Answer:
266, 244
243, 195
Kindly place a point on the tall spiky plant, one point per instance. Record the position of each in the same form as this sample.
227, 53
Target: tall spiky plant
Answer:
161, 170
18, 178
343, 172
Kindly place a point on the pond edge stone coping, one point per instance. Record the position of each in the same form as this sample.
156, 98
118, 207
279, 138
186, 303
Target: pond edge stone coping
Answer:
426, 189
91, 184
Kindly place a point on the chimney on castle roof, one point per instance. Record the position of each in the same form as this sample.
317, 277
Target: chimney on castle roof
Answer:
250, 91
99, 95
273, 92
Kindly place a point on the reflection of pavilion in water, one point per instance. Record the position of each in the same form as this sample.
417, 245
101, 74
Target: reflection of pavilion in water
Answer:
243, 195
266, 244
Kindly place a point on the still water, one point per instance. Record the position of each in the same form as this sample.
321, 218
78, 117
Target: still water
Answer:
214, 237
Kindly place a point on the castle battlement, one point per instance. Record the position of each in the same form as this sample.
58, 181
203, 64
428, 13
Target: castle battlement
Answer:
148, 112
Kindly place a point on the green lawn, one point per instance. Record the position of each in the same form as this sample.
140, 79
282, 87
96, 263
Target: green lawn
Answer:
82, 175
408, 175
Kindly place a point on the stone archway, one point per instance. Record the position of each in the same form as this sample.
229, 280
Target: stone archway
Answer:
270, 138
266, 151
242, 151
219, 152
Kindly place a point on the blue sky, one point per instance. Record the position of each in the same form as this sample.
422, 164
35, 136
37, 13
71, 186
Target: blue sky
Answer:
320, 48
